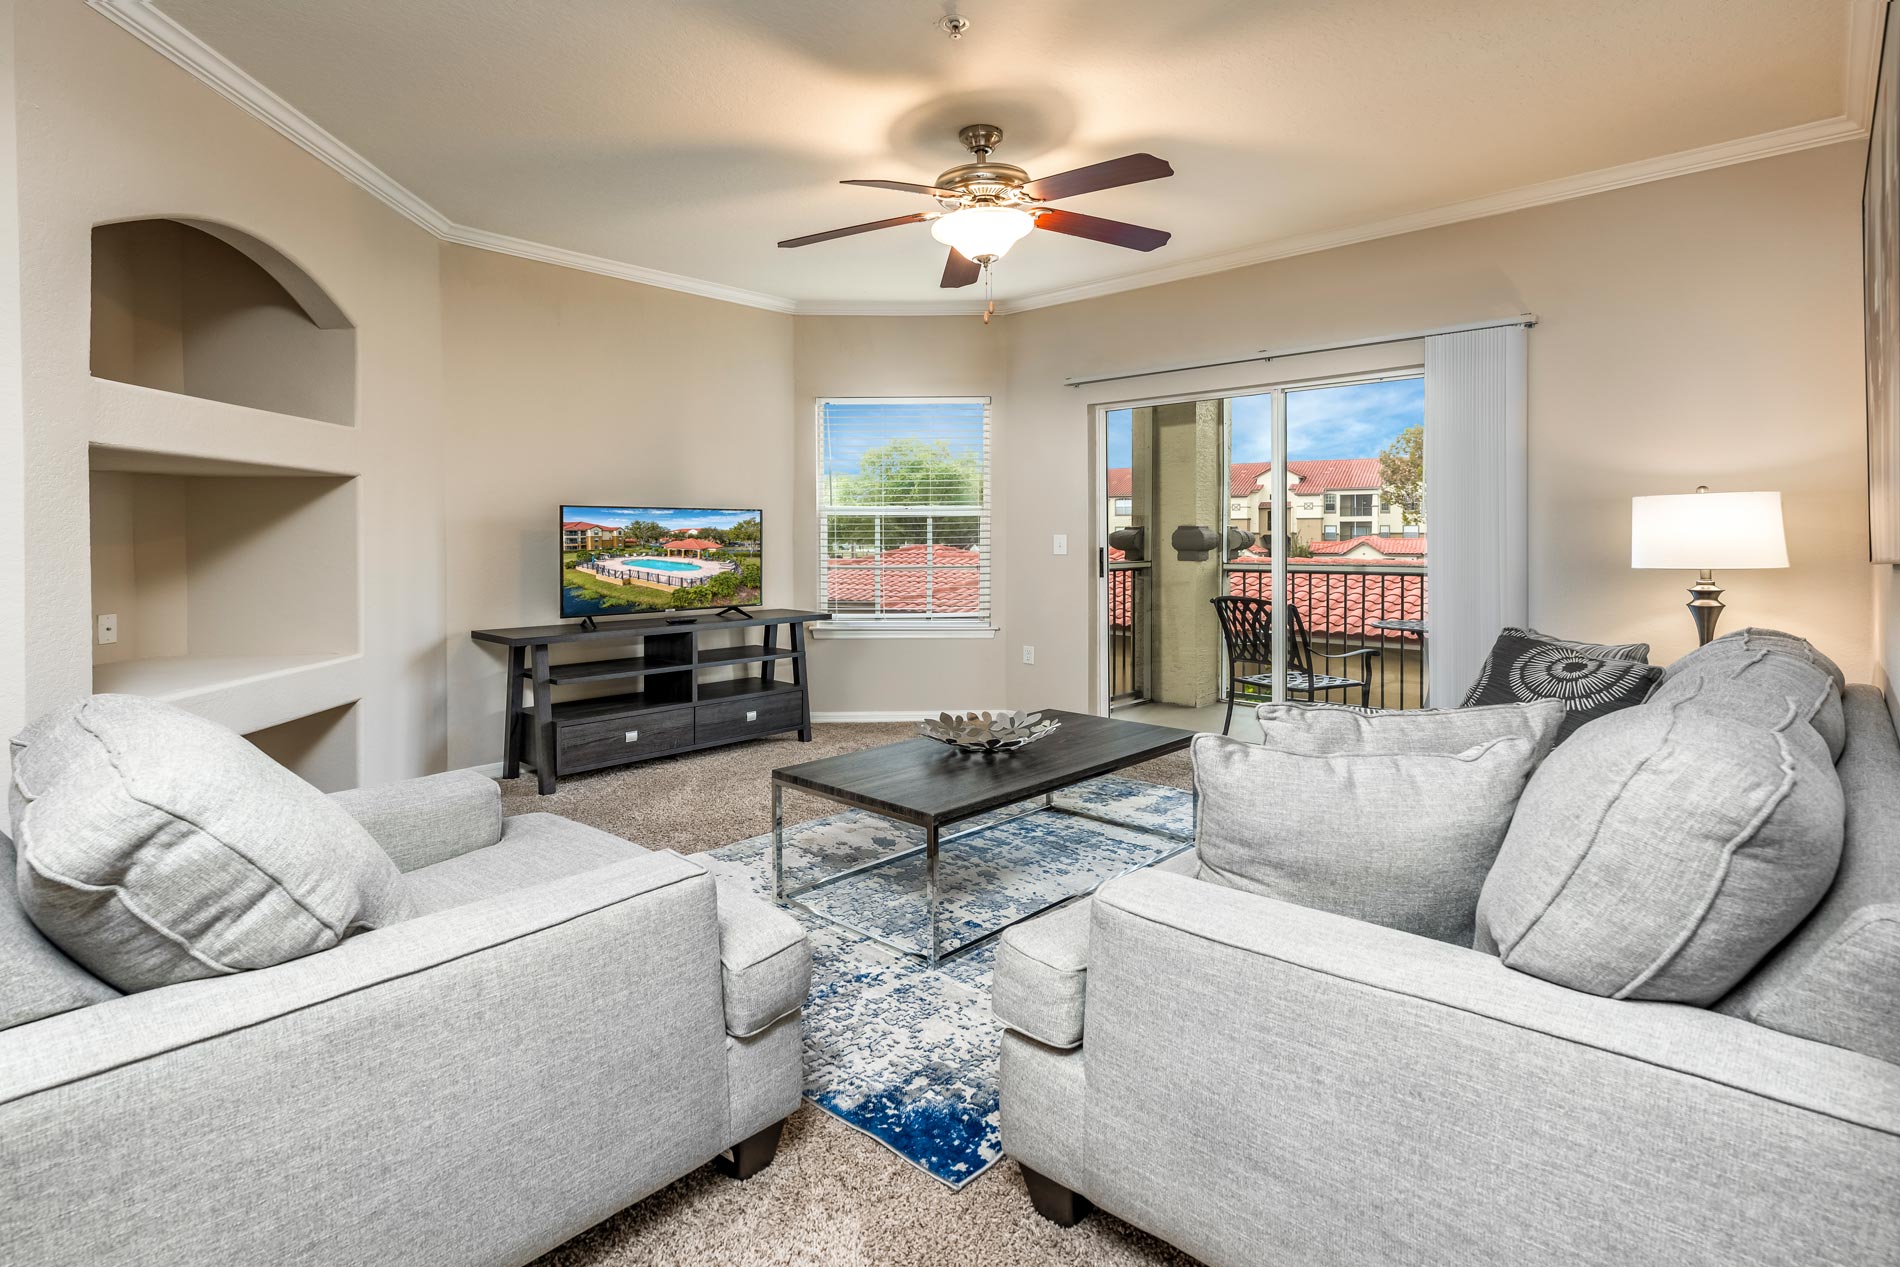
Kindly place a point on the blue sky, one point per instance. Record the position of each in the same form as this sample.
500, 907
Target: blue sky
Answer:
853, 428
665, 516
1354, 421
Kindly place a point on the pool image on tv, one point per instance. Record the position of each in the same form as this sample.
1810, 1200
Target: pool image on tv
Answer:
624, 560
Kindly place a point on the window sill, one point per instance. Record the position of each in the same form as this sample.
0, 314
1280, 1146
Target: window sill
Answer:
846, 629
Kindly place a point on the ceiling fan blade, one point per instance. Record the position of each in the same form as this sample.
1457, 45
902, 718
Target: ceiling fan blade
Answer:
904, 187
1114, 232
958, 271
809, 238
1129, 169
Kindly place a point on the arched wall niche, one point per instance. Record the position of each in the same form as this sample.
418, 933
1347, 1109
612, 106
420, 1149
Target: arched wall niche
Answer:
205, 309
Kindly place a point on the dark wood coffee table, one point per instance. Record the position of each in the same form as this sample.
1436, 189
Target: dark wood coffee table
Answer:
933, 786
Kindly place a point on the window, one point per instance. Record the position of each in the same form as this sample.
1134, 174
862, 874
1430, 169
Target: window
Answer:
904, 512
1332, 503
1355, 528
1411, 530
1330, 533
1356, 504
1123, 508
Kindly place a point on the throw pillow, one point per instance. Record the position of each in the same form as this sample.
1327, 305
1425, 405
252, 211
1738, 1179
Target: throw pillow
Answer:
1320, 729
36, 980
1638, 651
1589, 685
169, 848
1755, 638
1760, 682
1662, 853
1396, 838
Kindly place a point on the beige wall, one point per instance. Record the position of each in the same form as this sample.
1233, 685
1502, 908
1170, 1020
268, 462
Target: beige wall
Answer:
1698, 330
910, 356
1704, 329
109, 130
564, 386
13, 705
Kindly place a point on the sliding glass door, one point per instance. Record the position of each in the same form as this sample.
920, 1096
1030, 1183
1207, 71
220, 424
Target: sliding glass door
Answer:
1197, 505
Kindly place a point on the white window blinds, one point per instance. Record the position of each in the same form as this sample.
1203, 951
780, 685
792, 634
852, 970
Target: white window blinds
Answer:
904, 510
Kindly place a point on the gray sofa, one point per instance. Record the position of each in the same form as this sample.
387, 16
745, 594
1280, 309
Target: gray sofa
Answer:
1261, 1083
569, 1023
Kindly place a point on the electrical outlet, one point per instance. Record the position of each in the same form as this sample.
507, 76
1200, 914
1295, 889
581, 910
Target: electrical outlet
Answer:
1029, 655
108, 629
1062, 543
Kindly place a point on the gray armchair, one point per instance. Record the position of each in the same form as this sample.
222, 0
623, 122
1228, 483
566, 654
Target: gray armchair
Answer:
1258, 1082
570, 1024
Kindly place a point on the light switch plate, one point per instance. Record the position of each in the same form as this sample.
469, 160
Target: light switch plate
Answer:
1062, 543
1029, 655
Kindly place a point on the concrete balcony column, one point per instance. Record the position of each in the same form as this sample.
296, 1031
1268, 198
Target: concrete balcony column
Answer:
1187, 478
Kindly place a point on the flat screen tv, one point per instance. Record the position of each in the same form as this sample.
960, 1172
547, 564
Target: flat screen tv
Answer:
630, 560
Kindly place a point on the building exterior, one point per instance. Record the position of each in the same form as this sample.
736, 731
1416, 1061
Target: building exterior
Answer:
578, 534
1334, 500
690, 546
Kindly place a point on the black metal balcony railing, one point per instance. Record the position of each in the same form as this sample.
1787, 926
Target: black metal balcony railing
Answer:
1344, 607
1129, 623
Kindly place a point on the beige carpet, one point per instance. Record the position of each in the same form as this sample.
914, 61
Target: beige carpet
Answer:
833, 1197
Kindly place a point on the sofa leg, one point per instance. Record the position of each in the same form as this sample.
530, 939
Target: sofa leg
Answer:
1061, 1206
751, 1154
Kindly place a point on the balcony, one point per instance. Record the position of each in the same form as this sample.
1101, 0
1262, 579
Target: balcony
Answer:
1344, 606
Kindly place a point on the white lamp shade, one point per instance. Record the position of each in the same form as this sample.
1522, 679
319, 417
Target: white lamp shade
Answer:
1707, 531
976, 232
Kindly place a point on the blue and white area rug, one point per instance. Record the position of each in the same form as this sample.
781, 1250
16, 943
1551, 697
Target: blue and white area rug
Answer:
905, 1053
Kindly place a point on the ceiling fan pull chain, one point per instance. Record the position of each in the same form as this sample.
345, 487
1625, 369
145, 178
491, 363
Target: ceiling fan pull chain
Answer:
989, 296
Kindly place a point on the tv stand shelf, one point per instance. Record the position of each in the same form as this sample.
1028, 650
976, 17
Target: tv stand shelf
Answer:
668, 709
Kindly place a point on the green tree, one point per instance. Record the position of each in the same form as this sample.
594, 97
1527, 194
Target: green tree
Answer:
692, 596
750, 575
744, 530
906, 472
1402, 474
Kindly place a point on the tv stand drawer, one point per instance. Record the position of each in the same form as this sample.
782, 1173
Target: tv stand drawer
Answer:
744, 718
587, 745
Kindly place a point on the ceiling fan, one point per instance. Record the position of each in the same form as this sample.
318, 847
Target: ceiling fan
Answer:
986, 207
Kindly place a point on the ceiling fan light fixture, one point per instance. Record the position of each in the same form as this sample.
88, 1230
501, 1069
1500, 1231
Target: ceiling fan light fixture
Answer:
982, 233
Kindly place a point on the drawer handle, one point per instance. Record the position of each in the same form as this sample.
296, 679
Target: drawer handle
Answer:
633, 736
752, 715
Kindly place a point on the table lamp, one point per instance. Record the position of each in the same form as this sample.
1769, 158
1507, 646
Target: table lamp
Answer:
1702, 531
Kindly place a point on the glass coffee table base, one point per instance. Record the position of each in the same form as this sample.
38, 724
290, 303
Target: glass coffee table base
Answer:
934, 840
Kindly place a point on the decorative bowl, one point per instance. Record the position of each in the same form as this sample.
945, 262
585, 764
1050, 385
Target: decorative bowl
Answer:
987, 732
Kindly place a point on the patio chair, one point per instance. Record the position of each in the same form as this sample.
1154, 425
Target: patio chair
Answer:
1246, 627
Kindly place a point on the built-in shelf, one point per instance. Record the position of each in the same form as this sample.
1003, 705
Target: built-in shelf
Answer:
321, 748
232, 588
205, 310
134, 419
246, 693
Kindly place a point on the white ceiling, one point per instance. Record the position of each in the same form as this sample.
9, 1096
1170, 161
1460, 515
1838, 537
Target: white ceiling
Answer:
688, 136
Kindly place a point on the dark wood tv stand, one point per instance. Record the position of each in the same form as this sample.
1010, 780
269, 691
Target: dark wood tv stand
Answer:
669, 708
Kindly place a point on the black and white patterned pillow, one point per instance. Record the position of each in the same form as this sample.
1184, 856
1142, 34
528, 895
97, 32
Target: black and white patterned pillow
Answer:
1588, 683
1637, 651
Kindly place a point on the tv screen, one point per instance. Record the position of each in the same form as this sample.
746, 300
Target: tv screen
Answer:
625, 560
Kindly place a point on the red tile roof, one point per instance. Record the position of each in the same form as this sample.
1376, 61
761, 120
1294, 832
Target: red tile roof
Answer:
1384, 545
573, 525
857, 581
690, 543
1324, 475
1332, 604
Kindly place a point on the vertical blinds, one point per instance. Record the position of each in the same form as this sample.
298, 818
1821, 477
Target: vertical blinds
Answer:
904, 509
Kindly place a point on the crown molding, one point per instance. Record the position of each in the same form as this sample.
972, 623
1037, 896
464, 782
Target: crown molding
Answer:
1866, 24
154, 27
1748, 149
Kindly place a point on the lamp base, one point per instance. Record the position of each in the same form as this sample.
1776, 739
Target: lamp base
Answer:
1705, 605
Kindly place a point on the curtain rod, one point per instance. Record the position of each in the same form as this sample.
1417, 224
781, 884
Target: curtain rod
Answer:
1525, 319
